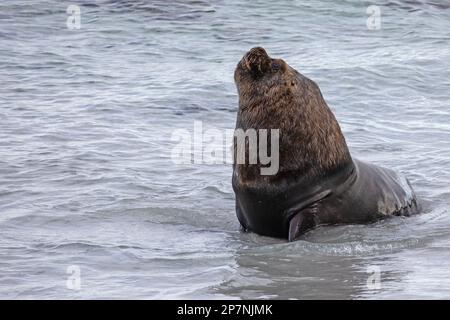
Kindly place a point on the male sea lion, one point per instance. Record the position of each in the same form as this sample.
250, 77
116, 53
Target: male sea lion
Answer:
318, 182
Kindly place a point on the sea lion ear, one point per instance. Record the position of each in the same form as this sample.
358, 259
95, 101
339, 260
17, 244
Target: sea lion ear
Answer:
257, 61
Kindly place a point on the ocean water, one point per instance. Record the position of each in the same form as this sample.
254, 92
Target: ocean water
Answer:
93, 206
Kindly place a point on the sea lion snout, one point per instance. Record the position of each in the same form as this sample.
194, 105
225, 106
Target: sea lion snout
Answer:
257, 61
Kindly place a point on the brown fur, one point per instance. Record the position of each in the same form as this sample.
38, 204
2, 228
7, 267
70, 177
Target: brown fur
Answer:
272, 95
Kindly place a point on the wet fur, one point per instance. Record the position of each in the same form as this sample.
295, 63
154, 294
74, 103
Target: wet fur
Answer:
311, 141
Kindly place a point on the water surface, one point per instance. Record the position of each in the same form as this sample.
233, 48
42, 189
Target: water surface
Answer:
87, 180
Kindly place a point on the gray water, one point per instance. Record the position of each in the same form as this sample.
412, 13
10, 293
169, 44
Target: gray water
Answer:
87, 181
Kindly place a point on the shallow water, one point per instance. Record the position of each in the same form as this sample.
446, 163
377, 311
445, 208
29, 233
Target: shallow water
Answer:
87, 116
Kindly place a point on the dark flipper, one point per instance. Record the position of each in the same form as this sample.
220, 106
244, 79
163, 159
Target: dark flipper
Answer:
300, 223
295, 226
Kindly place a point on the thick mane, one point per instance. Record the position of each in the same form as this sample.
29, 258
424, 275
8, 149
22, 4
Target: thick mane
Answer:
311, 141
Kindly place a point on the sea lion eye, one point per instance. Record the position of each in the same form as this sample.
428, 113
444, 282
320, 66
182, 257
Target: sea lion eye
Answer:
276, 66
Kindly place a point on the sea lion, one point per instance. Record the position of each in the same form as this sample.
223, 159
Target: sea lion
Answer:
318, 182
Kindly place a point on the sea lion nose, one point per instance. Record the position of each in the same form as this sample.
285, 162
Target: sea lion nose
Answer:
257, 61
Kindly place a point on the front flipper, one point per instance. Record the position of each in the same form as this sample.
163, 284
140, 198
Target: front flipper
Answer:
295, 226
300, 223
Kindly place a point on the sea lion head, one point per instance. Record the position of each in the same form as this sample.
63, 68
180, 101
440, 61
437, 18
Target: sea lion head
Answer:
256, 65
257, 62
